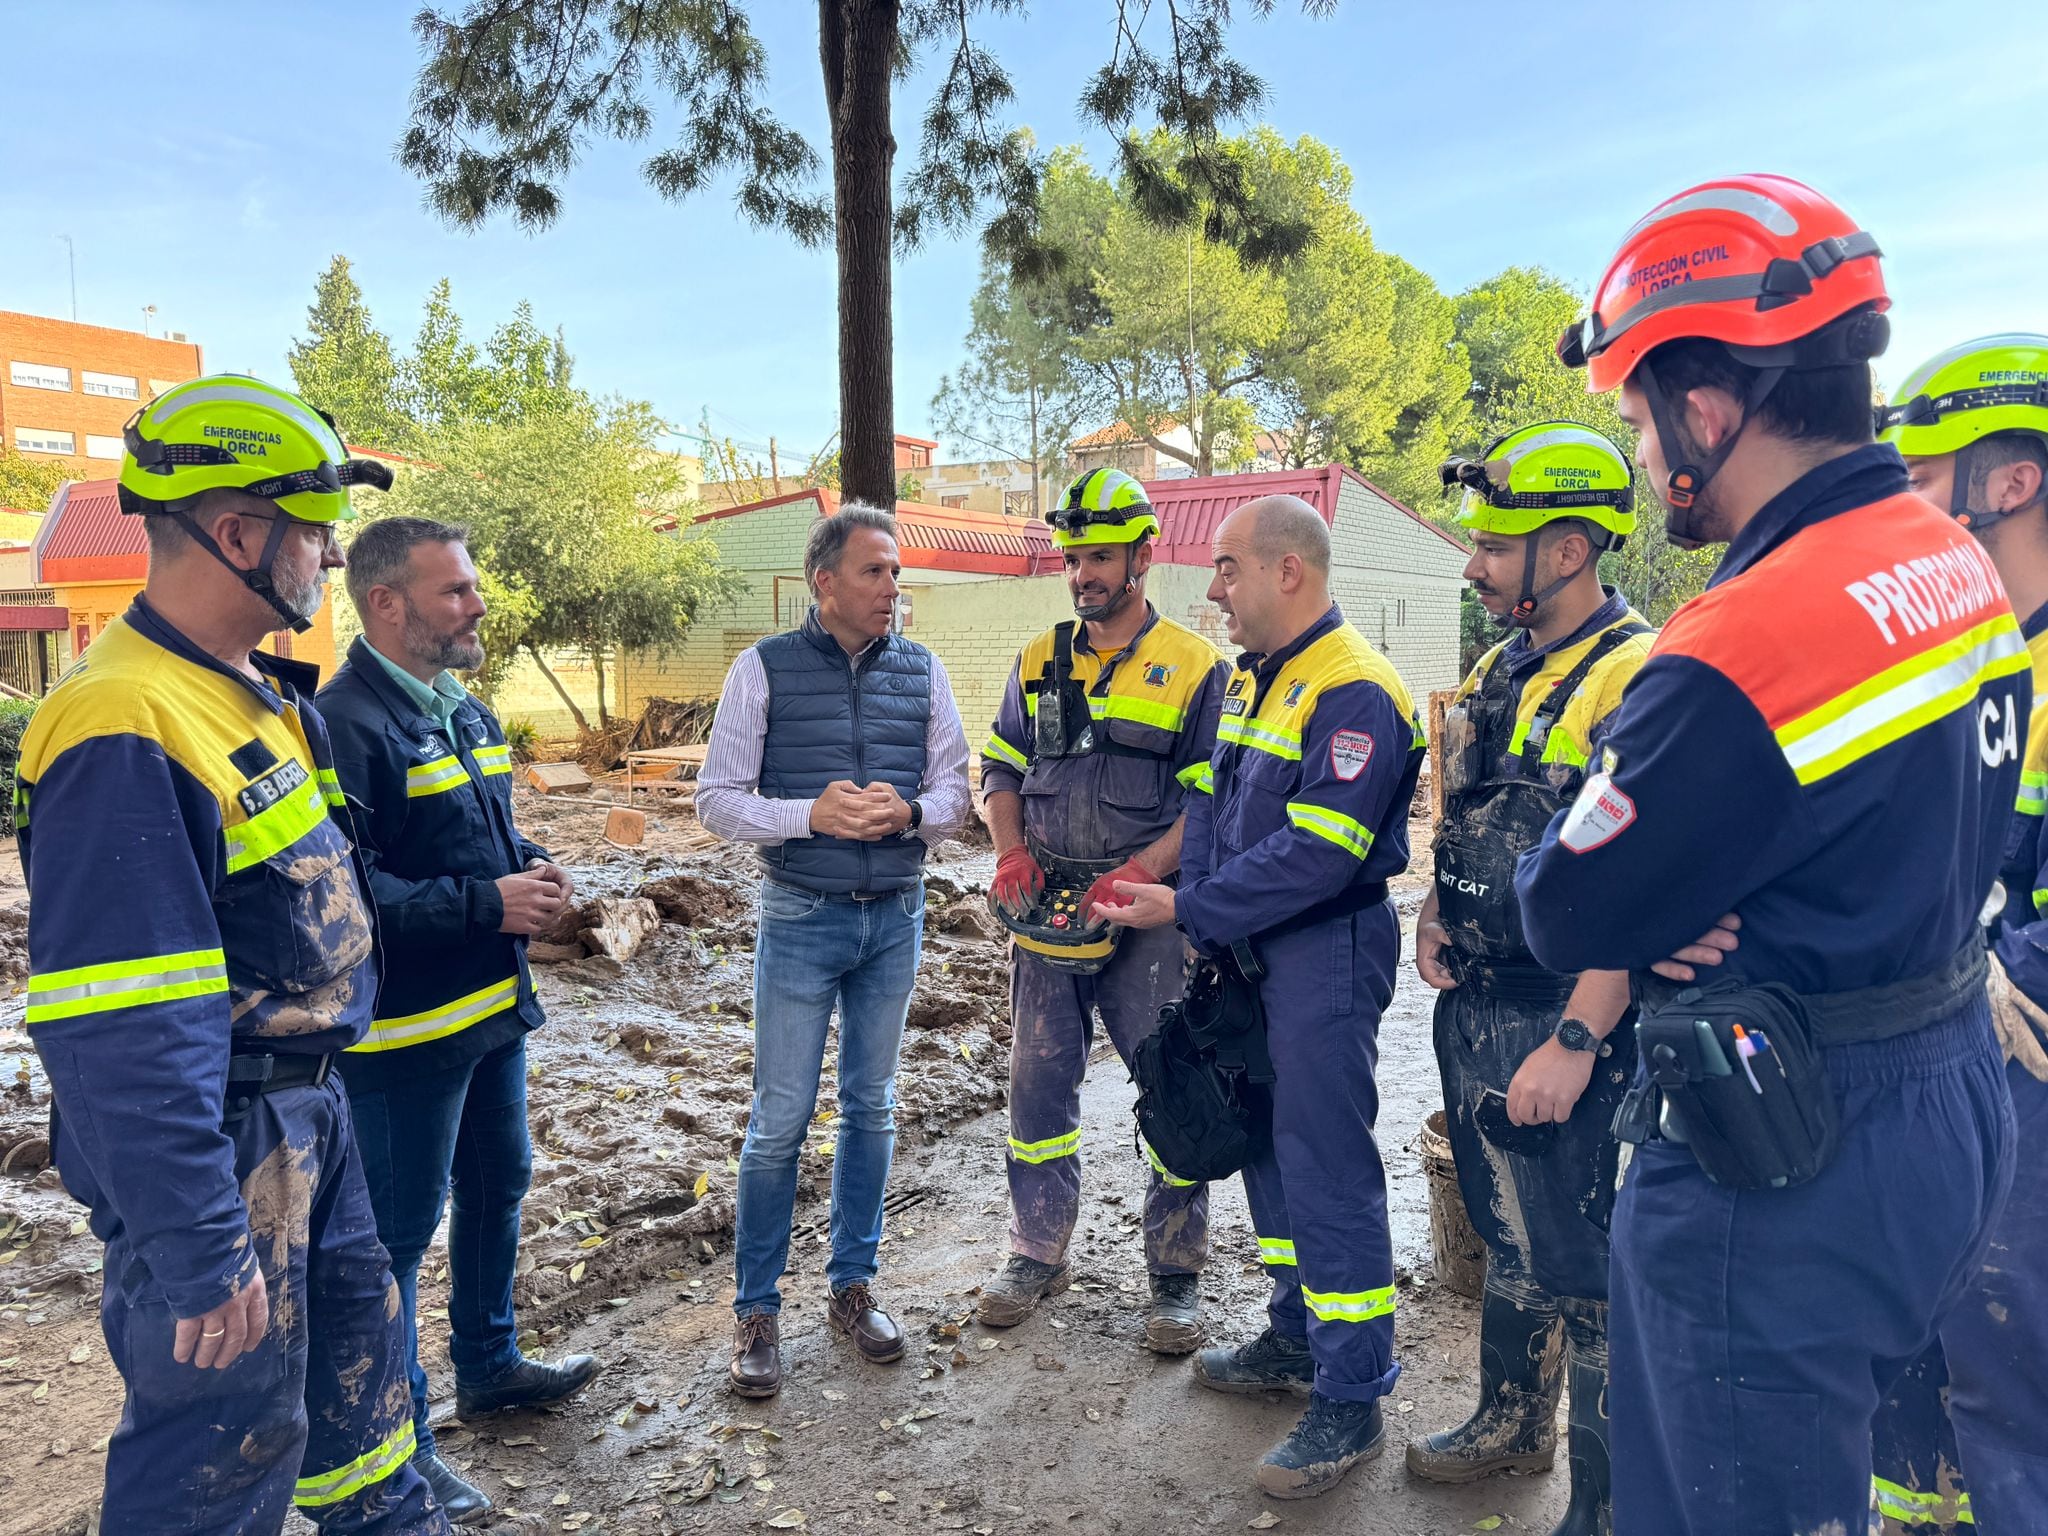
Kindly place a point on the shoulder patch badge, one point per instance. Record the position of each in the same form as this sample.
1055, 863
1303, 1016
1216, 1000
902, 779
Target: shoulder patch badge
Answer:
1600, 815
1350, 751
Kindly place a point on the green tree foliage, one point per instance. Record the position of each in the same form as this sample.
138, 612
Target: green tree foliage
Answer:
26, 484
1014, 397
344, 363
563, 505
509, 95
1509, 327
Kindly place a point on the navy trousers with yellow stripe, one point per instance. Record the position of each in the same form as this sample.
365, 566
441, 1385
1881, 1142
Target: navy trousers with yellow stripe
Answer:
1319, 1192
319, 1414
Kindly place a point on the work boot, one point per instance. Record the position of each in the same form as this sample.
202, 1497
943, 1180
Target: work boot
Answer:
1174, 1324
874, 1332
462, 1502
1331, 1439
756, 1368
1521, 1376
1591, 1511
528, 1384
1017, 1289
1269, 1363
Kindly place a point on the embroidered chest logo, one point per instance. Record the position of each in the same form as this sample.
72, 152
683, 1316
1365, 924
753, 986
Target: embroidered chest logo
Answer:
1158, 674
430, 746
1294, 693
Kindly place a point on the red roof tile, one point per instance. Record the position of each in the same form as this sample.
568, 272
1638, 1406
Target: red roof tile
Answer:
86, 537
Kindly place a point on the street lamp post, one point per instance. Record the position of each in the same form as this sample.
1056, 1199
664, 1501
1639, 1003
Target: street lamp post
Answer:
71, 247
148, 314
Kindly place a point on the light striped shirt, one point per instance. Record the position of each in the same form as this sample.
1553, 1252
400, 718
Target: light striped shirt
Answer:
728, 797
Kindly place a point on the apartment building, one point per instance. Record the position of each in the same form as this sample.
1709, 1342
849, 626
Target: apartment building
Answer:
66, 389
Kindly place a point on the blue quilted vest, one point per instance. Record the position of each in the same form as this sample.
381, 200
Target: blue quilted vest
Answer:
832, 716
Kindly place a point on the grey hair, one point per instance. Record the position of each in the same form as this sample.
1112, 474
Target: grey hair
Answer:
1287, 525
381, 555
827, 543
169, 537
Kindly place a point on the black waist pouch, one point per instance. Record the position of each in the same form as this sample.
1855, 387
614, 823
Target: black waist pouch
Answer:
1743, 1078
1204, 1105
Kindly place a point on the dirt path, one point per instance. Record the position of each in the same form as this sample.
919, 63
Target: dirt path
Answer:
637, 1101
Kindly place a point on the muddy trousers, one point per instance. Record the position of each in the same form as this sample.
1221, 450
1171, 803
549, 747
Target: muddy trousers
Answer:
320, 1413
1053, 1013
1752, 1333
1319, 1192
1990, 1368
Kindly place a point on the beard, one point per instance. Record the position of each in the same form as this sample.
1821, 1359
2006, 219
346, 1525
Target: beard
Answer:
459, 652
302, 597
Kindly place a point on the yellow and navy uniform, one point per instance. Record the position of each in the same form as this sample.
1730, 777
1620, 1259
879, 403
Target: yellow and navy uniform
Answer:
1570, 740
433, 805
2022, 931
1156, 701
191, 883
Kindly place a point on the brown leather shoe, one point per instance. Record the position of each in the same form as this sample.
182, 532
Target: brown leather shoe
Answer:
874, 1333
756, 1369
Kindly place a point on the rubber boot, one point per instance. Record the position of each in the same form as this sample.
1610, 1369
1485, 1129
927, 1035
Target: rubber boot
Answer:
1591, 1511
1521, 1376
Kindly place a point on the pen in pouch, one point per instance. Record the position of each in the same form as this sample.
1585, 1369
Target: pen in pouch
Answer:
1744, 1049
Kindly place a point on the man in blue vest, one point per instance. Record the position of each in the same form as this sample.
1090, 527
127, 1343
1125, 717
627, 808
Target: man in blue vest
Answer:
838, 753
438, 1086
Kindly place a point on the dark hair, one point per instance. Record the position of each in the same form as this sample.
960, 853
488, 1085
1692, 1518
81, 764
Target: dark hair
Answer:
1823, 405
381, 555
829, 535
2000, 449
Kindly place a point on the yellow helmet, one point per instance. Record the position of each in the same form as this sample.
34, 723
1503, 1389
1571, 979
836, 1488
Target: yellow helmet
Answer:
1538, 474
1993, 384
230, 431
1103, 506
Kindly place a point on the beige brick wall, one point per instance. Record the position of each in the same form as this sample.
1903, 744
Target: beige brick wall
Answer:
1398, 582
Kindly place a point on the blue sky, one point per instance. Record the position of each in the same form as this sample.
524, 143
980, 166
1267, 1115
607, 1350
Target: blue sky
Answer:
209, 159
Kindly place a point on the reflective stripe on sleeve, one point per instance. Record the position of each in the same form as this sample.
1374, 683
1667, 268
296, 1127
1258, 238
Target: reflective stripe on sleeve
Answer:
330, 786
1003, 752
1353, 836
275, 828
2033, 795
1198, 776
368, 1469
125, 984
1046, 1151
438, 1023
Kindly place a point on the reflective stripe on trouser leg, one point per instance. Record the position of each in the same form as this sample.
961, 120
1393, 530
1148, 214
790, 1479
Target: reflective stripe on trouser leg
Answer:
1916, 1470
1144, 976
1323, 993
1048, 1057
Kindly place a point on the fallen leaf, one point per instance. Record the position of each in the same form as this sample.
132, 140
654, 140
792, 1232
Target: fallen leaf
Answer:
832, 1396
1490, 1523
1047, 1363
926, 1413
1094, 1416
591, 1242
560, 1498
576, 1271
618, 1301
966, 1051
81, 1354
988, 1343
788, 1520
41, 1393
78, 1227
884, 1496
520, 1440
1406, 1405
516, 1483
1262, 1522
703, 1184
60, 1447
764, 1484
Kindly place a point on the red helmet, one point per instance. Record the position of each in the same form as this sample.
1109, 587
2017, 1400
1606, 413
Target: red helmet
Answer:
1757, 262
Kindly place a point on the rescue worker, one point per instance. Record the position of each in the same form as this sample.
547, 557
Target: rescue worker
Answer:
1105, 728
1973, 427
201, 947
1317, 753
438, 1087
1823, 750
1534, 1063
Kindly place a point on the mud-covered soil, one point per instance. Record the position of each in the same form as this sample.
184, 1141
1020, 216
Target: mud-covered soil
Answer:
638, 1095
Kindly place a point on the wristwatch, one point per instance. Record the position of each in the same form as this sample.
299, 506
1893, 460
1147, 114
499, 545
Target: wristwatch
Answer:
916, 819
1573, 1035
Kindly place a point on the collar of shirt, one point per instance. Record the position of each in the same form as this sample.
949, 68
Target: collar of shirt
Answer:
146, 621
437, 700
2037, 621
1265, 668
815, 631
1520, 653
1855, 479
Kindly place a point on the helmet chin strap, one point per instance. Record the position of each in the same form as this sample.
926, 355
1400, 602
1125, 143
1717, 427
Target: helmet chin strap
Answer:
258, 580
1981, 520
1685, 480
1093, 613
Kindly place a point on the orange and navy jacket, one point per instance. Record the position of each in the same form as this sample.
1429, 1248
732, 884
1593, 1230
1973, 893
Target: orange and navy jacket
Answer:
193, 889
434, 808
2021, 934
1317, 753
1826, 742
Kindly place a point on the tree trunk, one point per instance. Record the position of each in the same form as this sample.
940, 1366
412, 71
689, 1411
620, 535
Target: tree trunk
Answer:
1037, 456
857, 42
542, 662
604, 719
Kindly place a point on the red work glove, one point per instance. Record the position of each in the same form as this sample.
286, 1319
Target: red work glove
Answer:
1017, 883
1104, 890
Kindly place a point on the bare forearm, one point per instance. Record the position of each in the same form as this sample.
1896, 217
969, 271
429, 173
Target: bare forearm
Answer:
1162, 857
1005, 813
1599, 1000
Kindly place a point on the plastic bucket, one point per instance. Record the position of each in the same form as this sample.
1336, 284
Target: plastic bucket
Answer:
1460, 1255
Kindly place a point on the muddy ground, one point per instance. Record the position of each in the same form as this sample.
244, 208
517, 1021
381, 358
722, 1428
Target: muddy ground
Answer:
638, 1099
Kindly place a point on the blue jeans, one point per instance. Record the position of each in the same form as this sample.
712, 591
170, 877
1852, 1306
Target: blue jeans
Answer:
465, 1126
815, 952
